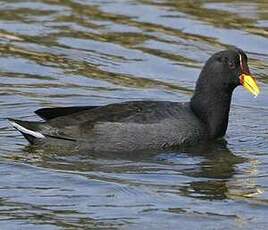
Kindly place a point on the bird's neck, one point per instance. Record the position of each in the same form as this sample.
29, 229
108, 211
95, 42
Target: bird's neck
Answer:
212, 107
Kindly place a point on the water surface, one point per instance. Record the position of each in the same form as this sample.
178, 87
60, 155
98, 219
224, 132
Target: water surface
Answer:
86, 52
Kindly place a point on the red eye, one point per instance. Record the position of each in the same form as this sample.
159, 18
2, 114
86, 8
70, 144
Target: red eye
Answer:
231, 65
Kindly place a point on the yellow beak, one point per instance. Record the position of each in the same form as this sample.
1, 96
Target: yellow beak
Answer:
249, 84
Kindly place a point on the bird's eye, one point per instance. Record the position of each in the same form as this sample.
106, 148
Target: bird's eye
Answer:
231, 65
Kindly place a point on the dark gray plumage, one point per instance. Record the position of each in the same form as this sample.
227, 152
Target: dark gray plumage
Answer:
143, 125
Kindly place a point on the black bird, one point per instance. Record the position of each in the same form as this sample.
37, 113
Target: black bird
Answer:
148, 125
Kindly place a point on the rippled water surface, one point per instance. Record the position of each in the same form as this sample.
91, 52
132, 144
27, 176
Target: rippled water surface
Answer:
95, 52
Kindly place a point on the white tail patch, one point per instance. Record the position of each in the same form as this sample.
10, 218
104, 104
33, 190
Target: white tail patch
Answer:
27, 131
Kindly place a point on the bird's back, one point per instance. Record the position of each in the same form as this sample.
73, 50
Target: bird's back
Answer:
129, 126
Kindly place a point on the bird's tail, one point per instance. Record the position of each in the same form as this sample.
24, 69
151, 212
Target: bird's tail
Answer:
29, 129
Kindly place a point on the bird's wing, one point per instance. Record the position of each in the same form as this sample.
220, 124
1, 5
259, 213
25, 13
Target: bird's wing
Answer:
50, 113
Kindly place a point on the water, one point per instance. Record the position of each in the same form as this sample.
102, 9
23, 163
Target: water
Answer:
78, 52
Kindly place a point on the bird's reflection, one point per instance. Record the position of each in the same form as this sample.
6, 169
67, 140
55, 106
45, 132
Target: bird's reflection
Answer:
217, 167
207, 167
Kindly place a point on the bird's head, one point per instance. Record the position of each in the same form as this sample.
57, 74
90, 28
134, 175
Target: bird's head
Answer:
228, 69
